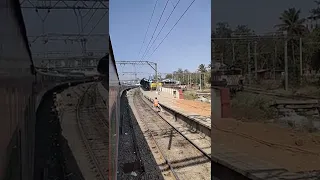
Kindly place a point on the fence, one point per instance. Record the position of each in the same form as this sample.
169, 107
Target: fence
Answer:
190, 79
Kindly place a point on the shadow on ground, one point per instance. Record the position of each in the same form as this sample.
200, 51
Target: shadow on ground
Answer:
53, 157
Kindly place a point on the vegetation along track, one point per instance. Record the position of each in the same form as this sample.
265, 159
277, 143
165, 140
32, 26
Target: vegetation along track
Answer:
94, 131
184, 158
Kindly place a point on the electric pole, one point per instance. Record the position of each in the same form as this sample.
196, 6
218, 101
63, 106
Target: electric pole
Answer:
286, 61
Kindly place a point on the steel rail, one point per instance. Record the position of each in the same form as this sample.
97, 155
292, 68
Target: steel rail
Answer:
261, 91
83, 134
157, 145
196, 146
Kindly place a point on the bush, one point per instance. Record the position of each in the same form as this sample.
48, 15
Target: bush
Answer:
190, 95
252, 107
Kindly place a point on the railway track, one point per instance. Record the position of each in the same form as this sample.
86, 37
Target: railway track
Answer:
184, 159
286, 96
94, 132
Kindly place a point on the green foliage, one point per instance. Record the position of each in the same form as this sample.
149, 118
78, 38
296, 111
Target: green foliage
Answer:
252, 107
236, 46
186, 77
291, 22
202, 68
311, 50
190, 95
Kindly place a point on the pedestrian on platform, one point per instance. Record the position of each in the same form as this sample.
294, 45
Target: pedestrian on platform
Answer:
156, 104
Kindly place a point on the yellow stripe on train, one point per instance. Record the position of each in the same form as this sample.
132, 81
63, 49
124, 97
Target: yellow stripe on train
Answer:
154, 85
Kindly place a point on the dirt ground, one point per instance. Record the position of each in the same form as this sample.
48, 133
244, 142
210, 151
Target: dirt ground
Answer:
284, 147
201, 108
294, 151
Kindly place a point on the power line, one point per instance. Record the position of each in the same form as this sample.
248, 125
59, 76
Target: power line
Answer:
172, 28
163, 27
148, 27
97, 22
155, 29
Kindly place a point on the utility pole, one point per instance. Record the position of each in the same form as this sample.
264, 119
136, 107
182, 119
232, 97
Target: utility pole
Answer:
249, 68
200, 81
233, 54
221, 58
286, 60
204, 80
274, 60
301, 71
156, 71
255, 61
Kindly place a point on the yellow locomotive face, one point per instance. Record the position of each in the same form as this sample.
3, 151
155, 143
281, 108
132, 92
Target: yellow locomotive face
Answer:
154, 85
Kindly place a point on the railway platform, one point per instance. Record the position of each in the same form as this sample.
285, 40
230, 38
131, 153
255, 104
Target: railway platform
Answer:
198, 111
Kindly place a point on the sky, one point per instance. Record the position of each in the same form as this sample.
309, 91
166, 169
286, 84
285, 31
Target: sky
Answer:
260, 15
187, 46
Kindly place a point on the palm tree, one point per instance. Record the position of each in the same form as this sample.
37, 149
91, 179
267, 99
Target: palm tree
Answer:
292, 24
202, 68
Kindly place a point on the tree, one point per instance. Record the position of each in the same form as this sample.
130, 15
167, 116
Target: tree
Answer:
294, 26
315, 12
168, 76
291, 22
209, 67
221, 50
311, 51
202, 68
241, 47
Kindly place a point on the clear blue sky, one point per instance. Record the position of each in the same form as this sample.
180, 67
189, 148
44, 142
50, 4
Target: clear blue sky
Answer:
187, 46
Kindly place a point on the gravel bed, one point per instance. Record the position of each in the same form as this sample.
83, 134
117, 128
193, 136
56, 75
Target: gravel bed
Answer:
53, 159
187, 161
151, 168
126, 151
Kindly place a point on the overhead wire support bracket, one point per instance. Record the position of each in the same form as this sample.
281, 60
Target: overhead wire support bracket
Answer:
64, 4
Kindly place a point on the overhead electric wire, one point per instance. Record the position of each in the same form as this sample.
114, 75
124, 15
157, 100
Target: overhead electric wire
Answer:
148, 27
89, 19
98, 22
172, 28
163, 27
155, 29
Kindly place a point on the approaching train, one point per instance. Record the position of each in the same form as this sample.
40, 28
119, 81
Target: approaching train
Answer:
145, 84
148, 85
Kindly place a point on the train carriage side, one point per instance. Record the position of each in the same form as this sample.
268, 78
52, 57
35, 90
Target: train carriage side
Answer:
18, 98
114, 114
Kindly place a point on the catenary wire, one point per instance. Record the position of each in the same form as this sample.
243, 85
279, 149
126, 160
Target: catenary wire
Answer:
165, 7
148, 27
163, 27
172, 28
